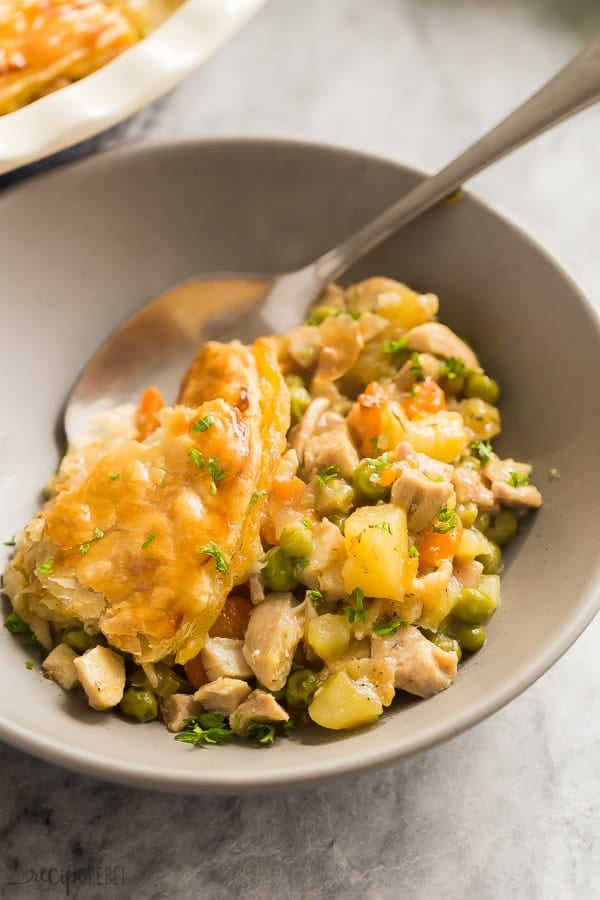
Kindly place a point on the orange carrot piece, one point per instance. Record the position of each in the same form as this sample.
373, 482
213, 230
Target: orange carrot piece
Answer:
195, 672
234, 618
428, 398
434, 547
365, 416
288, 490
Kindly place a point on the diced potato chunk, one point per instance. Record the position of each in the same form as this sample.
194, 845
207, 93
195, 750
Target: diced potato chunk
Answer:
472, 543
376, 540
102, 675
60, 666
380, 672
441, 435
329, 636
393, 426
490, 585
343, 703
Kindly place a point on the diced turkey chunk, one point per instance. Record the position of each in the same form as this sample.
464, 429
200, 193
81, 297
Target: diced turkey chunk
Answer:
223, 695
179, 707
60, 666
324, 569
332, 448
302, 434
303, 344
223, 658
274, 631
433, 337
102, 675
468, 572
259, 707
471, 488
421, 668
405, 378
421, 497
502, 473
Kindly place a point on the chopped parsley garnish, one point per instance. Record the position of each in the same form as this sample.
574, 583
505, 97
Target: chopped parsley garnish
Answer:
148, 540
204, 423
255, 498
208, 728
396, 346
518, 479
413, 552
29, 664
98, 534
315, 597
453, 368
46, 567
216, 473
261, 733
328, 474
416, 369
308, 523
447, 521
196, 458
83, 549
482, 450
390, 627
356, 611
12, 542
212, 549
385, 526
15, 624
115, 476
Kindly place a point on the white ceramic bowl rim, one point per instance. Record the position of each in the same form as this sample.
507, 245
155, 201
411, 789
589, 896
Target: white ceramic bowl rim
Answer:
379, 754
117, 90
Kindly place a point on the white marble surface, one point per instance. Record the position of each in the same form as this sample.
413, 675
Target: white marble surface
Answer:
512, 808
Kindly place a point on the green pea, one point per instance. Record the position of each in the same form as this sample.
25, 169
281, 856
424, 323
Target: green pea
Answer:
492, 561
335, 496
299, 403
78, 640
470, 637
300, 688
318, 314
473, 606
467, 513
279, 572
482, 386
366, 480
483, 522
296, 541
444, 642
338, 519
503, 528
139, 704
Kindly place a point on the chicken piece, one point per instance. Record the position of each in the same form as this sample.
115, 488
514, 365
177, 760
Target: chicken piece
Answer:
438, 339
324, 569
421, 497
501, 473
102, 675
223, 658
222, 695
421, 668
331, 448
405, 378
341, 342
433, 468
59, 664
274, 631
471, 488
304, 344
257, 591
301, 436
259, 707
468, 572
179, 707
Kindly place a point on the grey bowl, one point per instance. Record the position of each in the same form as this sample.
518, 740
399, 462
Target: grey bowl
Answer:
85, 246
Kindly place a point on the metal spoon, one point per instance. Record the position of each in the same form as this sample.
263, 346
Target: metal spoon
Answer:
157, 343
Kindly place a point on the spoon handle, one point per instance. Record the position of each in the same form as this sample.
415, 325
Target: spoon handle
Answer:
574, 88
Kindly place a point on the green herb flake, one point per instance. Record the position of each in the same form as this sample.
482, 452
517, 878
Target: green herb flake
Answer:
98, 534
328, 474
196, 458
115, 476
12, 542
413, 552
390, 627
447, 521
212, 549
15, 624
204, 423
518, 479
148, 540
255, 498
262, 734
482, 450
29, 664
46, 567
453, 368
416, 369
396, 346
308, 523
208, 728
216, 473
384, 526
356, 611
83, 549
315, 597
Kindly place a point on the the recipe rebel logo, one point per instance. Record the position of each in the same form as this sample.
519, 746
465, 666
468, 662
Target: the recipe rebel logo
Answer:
72, 879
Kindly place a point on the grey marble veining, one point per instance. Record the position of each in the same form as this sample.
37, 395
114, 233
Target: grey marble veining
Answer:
510, 809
